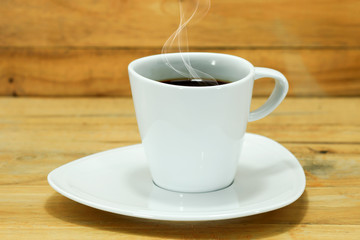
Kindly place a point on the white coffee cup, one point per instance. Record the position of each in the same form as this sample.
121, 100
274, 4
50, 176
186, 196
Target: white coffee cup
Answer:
192, 136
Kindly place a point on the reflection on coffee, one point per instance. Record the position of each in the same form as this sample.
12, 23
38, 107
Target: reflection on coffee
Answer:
195, 82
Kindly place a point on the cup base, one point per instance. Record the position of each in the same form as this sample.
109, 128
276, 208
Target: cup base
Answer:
192, 192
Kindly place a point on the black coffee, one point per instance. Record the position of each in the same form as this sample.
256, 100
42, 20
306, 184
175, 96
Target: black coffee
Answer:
194, 82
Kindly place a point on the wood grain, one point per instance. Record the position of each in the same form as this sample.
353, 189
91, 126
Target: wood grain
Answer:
136, 23
82, 48
103, 72
40, 134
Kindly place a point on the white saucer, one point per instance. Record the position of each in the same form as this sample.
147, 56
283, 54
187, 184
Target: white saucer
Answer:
269, 177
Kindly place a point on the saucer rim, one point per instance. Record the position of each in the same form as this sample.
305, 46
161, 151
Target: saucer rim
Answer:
132, 211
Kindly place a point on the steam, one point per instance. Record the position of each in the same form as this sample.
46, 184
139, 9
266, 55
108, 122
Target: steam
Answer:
180, 36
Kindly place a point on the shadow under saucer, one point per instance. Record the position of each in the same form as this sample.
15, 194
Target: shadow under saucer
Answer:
258, 226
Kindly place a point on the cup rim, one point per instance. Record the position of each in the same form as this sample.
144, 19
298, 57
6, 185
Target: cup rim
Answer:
156, 56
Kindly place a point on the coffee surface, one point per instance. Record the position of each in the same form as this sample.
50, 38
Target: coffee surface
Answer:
195, 82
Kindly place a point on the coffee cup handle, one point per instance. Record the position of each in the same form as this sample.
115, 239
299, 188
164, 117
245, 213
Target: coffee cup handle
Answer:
277, 95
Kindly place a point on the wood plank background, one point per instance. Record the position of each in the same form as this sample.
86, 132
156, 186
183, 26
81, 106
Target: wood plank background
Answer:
82, 48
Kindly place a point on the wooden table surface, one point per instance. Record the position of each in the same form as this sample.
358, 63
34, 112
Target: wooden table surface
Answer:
40, 134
